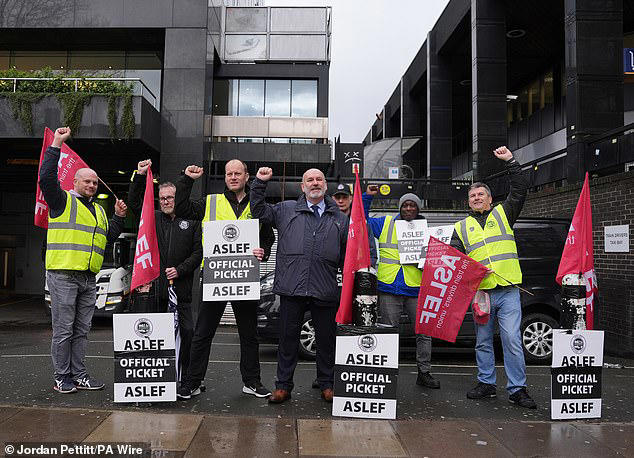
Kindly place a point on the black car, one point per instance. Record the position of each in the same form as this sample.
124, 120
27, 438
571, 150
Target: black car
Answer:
540, 243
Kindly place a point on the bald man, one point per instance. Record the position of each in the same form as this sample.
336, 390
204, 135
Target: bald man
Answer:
232, 204
312, 236
78, 231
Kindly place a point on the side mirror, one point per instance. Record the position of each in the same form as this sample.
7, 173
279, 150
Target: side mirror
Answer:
122, 252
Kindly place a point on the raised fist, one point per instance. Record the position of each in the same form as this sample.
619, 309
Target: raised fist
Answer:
142, 166
265, 173
372, 189
61, 135
503, 153
194, 172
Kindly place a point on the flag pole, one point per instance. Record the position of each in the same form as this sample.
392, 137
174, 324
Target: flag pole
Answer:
108, 187
516, 286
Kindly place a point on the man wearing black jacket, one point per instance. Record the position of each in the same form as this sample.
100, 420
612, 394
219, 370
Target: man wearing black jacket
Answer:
181, 251
232, 204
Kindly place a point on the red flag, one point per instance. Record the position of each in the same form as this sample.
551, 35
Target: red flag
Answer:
450, 280
357, 254
68, 164
146, 258
578, 255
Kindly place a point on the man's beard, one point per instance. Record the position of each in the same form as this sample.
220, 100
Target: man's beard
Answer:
315, 193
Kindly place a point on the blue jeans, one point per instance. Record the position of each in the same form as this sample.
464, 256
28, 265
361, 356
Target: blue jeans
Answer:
506, 306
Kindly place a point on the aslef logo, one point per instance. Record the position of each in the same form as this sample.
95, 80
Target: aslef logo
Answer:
367, 342
143, 327
230, 232
578, 344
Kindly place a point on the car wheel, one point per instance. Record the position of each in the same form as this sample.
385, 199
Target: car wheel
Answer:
307, 342
537, 337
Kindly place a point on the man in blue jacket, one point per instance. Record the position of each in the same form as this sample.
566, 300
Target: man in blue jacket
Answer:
312, 236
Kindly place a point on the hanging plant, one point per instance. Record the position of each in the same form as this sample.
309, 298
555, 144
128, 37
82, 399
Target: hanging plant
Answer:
112, 116
127, 118
73, 104
22, 107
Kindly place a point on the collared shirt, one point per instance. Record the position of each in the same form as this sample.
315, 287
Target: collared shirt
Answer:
321, 206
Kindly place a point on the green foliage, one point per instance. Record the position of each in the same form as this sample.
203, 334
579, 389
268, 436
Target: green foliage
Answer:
73, 96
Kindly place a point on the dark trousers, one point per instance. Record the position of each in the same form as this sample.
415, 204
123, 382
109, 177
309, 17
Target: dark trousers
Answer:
323, 314
186, 331
209, 317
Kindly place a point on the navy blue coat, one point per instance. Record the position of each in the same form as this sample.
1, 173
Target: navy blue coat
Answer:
309, 250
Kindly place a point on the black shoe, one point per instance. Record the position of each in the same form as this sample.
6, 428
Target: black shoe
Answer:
316, 384
426, 379
88, 383
482, 390
64, 385
256, 389
522, 399
187, 390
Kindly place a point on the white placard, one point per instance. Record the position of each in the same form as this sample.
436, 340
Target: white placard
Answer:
230, 270
412, 237
393, 173
576, 374
617, 238
442, 233
144, 357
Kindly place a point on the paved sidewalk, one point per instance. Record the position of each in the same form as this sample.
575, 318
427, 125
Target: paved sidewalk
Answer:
171, 434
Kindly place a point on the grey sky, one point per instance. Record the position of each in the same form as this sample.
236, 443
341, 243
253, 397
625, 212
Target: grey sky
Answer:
373, 42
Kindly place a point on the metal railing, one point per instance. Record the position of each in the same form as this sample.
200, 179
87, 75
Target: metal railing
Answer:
78, 80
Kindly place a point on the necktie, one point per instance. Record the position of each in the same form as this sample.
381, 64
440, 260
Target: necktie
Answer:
315, 210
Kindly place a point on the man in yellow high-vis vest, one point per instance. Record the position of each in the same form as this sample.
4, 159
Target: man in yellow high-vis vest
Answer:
486, 235
398, 284
78, 230
232, 204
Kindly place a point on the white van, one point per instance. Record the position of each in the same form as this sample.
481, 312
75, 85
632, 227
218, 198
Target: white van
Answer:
113, 280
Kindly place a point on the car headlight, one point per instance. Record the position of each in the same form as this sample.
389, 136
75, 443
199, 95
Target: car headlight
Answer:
114, 299
105, 278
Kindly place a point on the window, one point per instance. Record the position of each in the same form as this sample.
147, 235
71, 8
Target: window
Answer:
225, 97
533, 97
4, 60
278, 98
548, 88
304, 101
35, 60
251, 98
97, 60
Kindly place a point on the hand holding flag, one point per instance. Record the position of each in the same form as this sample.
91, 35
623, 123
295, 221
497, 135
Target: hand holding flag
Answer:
146, 265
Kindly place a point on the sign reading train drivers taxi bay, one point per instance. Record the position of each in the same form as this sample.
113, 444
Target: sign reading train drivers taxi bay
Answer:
230, 270
144, 357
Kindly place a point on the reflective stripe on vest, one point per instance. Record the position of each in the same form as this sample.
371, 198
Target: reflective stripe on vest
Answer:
76, 239
389, 263
494, 246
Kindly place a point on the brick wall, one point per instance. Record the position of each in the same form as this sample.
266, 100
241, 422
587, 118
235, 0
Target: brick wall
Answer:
612, 201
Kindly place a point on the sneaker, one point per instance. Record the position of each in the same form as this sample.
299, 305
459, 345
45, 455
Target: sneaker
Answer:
87, 383
482, 390
522, 399
187, 390
426, 379
256, 389
64, 385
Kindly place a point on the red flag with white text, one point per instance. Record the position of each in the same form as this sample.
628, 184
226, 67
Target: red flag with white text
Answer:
68, 164
357, 254
146, 265
450, 280
578, 254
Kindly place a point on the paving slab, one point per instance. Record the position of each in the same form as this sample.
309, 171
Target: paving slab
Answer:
348, 438
546, 439
170, 432
50, 425
244, 436
448, 438
8, 412
618, 437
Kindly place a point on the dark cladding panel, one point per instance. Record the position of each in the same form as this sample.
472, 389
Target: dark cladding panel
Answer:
190, 13
98, 13
183, 48
181, 89
147, 13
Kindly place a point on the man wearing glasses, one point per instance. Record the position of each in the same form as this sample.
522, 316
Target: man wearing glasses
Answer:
181, 252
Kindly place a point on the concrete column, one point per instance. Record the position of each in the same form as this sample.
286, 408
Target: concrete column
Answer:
439, 142
594, 75
488, 84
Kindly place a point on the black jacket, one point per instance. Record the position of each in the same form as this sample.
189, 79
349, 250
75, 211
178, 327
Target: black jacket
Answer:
179, 243
195, 209
309, 250
512, 205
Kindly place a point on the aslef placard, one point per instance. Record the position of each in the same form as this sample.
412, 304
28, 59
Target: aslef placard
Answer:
144, 357
230, 270
576, 374
442, 233
366, 372
617, 238
412, 237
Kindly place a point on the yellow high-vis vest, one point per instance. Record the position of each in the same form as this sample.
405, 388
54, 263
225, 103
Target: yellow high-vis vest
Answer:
75, 239
494, 246
218, 207
389, 263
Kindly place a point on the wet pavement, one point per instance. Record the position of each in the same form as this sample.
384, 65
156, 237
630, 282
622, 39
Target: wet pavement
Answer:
222, 420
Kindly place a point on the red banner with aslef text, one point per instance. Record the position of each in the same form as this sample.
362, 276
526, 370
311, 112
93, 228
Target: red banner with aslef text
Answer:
147, 264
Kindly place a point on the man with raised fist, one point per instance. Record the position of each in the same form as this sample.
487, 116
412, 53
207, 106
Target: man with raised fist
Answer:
232, 204
312, 236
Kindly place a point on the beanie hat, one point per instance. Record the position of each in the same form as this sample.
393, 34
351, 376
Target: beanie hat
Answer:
410, 196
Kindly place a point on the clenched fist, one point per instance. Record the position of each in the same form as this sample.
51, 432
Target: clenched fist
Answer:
120, 208
265, 173
143, 166
194, 172
503, 153
61, 135
372, 189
